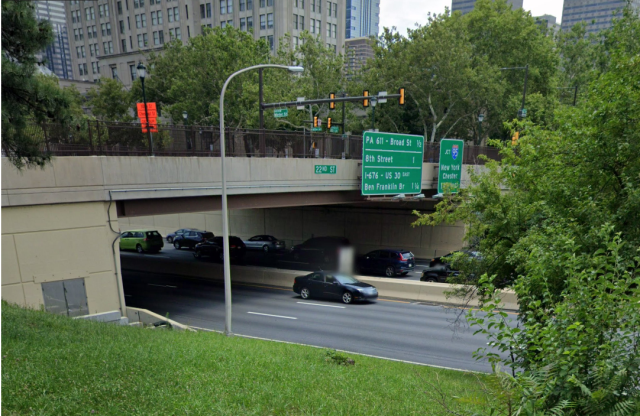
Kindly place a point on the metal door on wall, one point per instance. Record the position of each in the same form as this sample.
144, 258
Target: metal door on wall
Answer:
65, 297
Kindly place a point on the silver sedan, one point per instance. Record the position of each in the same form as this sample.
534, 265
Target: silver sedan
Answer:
265, 243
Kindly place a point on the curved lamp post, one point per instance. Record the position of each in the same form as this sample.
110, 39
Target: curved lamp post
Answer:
225, 214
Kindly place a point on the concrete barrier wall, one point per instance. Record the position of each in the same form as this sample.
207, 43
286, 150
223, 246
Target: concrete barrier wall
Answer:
393, 288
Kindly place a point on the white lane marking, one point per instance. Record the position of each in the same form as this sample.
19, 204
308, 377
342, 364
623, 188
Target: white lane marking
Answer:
151, 284
274, 316
319, 304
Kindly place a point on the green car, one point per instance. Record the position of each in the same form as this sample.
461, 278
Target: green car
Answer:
141, 241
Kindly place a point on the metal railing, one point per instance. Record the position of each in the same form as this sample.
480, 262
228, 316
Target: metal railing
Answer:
126, 139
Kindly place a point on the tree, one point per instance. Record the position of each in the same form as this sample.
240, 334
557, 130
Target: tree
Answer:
559, 221
111, 101
26, 98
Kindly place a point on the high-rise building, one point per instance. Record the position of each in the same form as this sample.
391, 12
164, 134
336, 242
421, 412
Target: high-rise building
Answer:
549, 22
357, 52
465, 6
58, 57
109, 37
597, 14
363, 18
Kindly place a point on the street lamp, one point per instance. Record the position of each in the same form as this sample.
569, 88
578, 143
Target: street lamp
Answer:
480, 120
185, 116
142, 73
225, 213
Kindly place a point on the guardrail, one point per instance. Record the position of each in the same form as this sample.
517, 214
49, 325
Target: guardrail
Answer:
126, 139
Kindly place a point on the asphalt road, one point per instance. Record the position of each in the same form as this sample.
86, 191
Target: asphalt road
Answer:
399, 330
277, 260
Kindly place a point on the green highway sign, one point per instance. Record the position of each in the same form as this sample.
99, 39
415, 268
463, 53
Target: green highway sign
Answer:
316, 128
334, 129
391, 163
280, 113
450, 169
326, 169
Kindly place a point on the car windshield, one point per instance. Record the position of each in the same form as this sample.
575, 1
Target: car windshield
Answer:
345, 280
153, 234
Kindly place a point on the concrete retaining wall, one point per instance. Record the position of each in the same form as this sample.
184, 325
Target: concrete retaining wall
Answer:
393, 288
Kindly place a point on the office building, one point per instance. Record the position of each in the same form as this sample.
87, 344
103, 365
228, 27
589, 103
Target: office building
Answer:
363, 18
357, 52
549, 22
465, 6
597, 14
56, 56
109, 37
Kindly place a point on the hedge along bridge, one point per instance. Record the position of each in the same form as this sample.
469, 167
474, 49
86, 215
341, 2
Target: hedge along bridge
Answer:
96, 138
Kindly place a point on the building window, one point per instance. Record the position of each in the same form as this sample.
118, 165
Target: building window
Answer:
269, 3
94, 67
122, 27
81, 33
263, 3
154, 19
223, 6
123, 43
223, 24
75, 34
301, 22
249, 4
80, 70
114, 72
176, 14
296, 41
143, 40
78, 51
335, 31
313, 25
144, 20
313, 6
138, 21
75, 16
295, 21
202, 11
263, 22
156, 38
106, 29
119, 7
243, 24
270, 21
90, 13
270, 41
230, 23
208, 10
249, 24
319, 6
335, 11
328, 31
242, 5
160, 20
229, 6
318, 22
89, 32
108, 47
175, 33
329, 8
134, 72
188, 32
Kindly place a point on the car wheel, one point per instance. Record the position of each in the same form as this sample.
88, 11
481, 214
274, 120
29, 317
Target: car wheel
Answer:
177, 245
390, 272
139, 249
169, 240
197, 254
265, 248
305, 293
347, 297
430, 279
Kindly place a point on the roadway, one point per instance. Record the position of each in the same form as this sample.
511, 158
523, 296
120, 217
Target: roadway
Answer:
280, 260
392, 329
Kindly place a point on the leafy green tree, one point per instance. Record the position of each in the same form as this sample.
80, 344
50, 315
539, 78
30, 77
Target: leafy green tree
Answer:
111, 101
26, 98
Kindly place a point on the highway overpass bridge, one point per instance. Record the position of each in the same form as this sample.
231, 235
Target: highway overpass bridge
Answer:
61, 223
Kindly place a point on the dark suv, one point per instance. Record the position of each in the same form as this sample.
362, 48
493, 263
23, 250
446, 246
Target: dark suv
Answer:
389, 262
440, 270
319, 249
212, 248
190, 238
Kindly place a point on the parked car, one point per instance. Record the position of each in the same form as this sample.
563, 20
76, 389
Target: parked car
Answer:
387, 261
180, 232
212, 248
333, 286
141, 241
438, 274
190, 238
319, 249
439, 261
265, 243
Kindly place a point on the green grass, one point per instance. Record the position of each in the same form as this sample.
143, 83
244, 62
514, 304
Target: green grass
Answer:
52, 365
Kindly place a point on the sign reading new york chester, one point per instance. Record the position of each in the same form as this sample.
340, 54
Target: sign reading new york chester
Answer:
391, 163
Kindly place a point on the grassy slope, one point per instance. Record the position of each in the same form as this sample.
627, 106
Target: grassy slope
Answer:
56, 366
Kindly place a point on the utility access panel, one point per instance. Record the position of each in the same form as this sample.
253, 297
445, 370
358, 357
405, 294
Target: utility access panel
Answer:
391, 163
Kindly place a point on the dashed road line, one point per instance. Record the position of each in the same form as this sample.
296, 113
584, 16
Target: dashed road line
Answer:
273, 316
319, 304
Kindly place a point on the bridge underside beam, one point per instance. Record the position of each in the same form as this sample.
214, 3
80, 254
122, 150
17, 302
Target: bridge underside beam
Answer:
144, 207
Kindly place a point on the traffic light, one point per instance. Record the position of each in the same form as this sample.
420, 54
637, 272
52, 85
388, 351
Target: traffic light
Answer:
514, 139
315, 121
401, 99
365, 102
332, 104
329, 123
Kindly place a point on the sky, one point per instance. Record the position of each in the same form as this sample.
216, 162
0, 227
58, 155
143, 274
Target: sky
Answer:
404, 14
